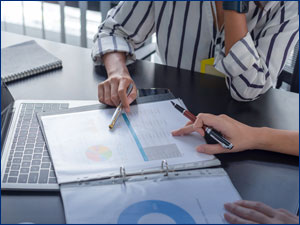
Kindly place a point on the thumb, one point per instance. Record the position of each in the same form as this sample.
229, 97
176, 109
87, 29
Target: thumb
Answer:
211, 149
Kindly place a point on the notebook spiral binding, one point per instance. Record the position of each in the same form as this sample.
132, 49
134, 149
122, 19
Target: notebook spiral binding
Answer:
34, 71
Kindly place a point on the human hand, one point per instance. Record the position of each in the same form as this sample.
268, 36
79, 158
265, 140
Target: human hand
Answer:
243, 211
113, 90
240, 135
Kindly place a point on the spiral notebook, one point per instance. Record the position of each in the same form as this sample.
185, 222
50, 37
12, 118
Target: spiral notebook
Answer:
26, 59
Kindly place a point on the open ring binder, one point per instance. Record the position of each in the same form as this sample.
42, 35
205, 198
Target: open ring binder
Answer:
123, 173
161, 165
165, 167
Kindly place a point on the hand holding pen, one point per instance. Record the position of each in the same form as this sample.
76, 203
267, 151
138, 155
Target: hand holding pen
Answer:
112, 91
208, 123
119, 109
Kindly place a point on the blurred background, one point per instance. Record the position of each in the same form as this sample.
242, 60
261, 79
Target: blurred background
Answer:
71, 22
76, 22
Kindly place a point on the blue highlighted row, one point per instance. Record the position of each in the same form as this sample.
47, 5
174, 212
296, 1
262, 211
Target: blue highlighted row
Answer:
138, 143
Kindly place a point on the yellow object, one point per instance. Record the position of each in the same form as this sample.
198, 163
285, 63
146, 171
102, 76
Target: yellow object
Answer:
115, 116
207, 67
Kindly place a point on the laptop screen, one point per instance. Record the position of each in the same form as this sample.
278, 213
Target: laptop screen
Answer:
6, 97
7, 101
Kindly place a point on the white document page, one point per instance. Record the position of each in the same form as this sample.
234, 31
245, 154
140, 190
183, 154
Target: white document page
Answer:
190, 200
82, 146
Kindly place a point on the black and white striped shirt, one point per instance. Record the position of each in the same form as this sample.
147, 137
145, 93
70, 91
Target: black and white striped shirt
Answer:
186, 35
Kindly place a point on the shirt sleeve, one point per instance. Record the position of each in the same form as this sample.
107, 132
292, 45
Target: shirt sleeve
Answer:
252, 66
126, 28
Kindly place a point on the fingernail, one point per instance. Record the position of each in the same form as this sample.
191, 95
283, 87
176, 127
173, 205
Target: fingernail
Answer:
226, 216
228, 205
200, 131
175, 133
199, 149
239, 202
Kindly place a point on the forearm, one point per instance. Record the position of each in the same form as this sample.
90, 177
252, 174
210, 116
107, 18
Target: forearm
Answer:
235, 28
115, 63
281, 141
238, 65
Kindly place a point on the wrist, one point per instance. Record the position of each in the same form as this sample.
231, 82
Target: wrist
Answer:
122, 71
115, 64
259, 137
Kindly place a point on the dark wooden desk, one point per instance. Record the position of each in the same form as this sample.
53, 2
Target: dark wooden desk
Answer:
258, 175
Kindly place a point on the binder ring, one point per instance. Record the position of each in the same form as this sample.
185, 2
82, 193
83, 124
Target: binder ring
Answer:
122, 173
165, 167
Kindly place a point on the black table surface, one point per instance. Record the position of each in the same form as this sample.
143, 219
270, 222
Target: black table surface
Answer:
258, 175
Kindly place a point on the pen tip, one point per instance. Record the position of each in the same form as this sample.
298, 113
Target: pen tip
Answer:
173, 103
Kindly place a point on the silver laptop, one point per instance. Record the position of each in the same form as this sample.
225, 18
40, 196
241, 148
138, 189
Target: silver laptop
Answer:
25, 160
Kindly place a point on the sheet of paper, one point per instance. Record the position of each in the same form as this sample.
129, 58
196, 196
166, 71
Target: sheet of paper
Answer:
198, 199
81, 144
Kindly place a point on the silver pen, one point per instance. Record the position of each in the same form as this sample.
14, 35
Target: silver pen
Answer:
119, 109
219, 138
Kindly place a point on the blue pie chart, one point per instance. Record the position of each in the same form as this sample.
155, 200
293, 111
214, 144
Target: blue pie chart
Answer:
133, 213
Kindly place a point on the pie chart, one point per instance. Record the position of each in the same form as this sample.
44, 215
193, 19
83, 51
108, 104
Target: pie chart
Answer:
98, 153
158, 210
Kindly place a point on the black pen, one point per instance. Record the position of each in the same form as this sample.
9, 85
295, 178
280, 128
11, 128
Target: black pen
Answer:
211, 132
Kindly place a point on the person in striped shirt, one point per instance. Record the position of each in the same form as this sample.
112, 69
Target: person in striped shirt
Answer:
250, 48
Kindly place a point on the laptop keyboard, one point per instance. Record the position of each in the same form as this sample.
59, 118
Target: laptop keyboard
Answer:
29, 160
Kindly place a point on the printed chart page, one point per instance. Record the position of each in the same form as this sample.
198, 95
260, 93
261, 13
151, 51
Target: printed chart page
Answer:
83, 147
172, 200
